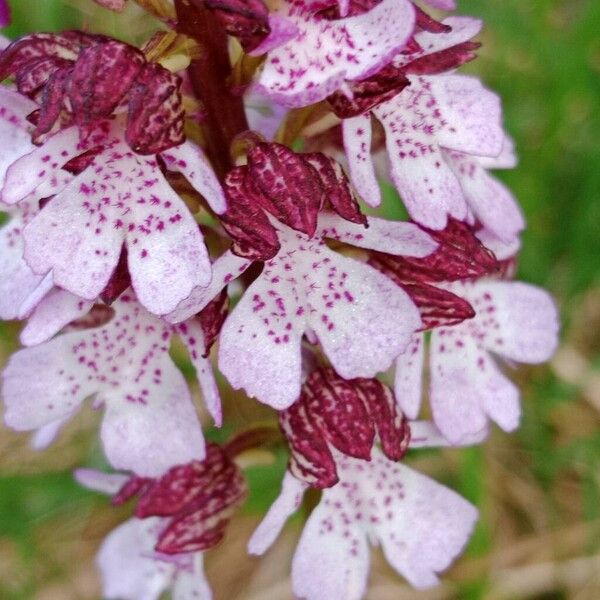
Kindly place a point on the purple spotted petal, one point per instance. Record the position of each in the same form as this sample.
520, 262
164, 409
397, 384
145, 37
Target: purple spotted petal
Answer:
393, 237
54, 311
189, 160
421, 525
120, 197
491, 202
462, 30
149, 424
288, 501
316, 62
225, 269
126, 564
357, 134
408, 382
352, 309
444, 111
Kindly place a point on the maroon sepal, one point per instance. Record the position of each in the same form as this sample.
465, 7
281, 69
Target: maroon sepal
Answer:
97, 74
310, 457
82, 162
155, 120
200, 496
119, 281
247, 20
444, 60
338, 191
392, 426
384, 85
253, 235
345, 414
52, 101
338, 412
31, 51
460, 255
290, 188
212, 317
438, 307
133, 487
100, 79
427, 23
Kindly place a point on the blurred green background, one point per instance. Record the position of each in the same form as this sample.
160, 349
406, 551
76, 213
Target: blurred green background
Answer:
539, 491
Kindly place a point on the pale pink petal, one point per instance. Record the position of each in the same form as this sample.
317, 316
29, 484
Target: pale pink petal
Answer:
424, 527
502, 250
473, 114
192, 585
408, 382
46, 434
43, 288
53, 313
466, 387
426, 434
507, 159
125, 562
264, 116
26, 174
98, 481
316, 62
282, 31
18, 280
71, 238
259, 345
150, 422
166, 254
392, 237
225, 269
59, 386
16, 139
362, 319
332, 559
429, 189
491, 201
189, 160
160, 430
357, 144
286, 504
193, 337
526, 317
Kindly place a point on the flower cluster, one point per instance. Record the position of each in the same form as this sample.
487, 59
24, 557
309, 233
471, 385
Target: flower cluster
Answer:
135, 215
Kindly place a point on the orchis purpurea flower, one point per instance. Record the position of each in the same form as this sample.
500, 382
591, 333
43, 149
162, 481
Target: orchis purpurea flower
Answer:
118, 198
434, 113
484, 318
108, 154
421, 525
324, 53
333, 414
360, 318
150, 422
